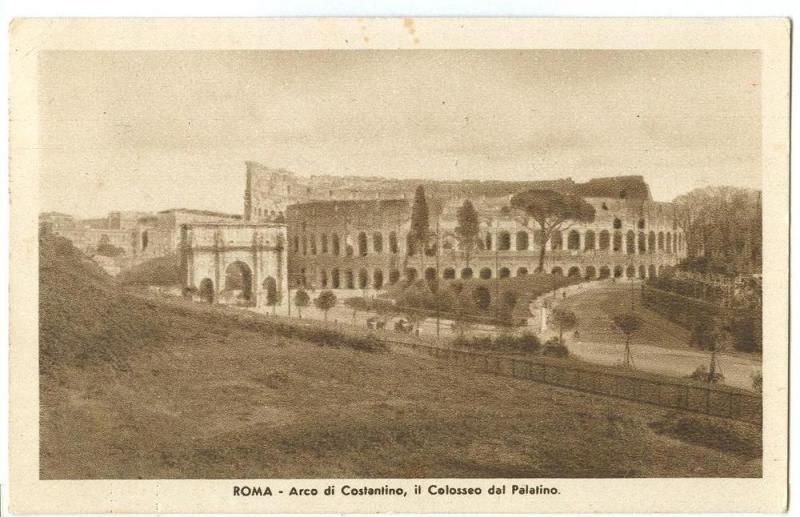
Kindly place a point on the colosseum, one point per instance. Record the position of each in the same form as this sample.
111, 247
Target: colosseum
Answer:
354, 237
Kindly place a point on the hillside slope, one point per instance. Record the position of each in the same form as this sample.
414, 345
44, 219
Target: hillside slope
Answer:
83, 317
141, 388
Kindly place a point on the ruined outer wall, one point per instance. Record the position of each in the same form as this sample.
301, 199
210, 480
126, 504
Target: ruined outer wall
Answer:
629, 237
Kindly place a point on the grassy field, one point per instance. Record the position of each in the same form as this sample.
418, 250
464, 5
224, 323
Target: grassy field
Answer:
131, 388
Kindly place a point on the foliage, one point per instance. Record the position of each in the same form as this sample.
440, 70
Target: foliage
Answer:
555, 347
301, 299
158, 271
741, 327
564, 319
722, 224
454, 300
701, 374
467, 229
552, 210
706, 333
525, 342
357, 303
482, 298
628, 323
420, 226
325, 302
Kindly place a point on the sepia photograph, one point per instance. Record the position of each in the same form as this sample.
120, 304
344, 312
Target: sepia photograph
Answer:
401, 264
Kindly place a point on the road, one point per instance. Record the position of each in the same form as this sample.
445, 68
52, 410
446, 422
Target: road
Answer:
660, 347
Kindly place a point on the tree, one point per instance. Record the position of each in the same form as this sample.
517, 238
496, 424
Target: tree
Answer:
628, 323
482, 298
358, 304
420, 224
467, 229
564, 319
552, 211
722, 224
706, 334
325, 302
301, 299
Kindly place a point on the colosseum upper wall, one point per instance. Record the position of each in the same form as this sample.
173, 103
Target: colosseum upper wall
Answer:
352, 244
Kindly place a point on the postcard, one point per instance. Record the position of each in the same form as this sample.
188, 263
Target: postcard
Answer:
399, 265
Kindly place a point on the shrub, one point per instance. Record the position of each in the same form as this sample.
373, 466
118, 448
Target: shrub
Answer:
701, 374
554, 347
325, 302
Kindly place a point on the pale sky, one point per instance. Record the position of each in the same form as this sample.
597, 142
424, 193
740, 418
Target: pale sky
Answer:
154, 130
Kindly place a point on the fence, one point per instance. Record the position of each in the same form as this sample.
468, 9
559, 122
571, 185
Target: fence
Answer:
714, 400
710, 400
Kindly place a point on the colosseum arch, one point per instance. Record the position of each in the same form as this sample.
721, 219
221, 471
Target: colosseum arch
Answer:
377, 279
618, 271
651, 242
669, 242
590, 273
488, 241
313, 241
377, 242
349, 280
485, 273
651, 271
605, 272
336, 282
411, 274
270, 286
394, 276
642, 271
523, 271
362, 244
660, 241
642, 243
363, 279
449, 273
503, 272
557, 271
335, 245
411, 248
239, 279
323, 241
503, 241
630, 272
617, 241
305, 245
574, 272
466, 273
630, 242
430, 274
393, 247
604, 240
522, 240
574, 240
588, 240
